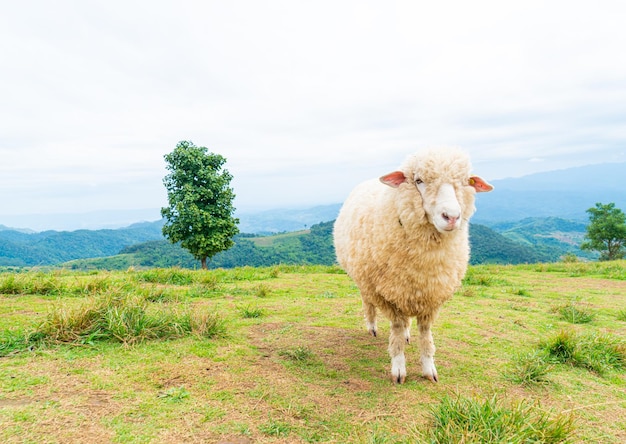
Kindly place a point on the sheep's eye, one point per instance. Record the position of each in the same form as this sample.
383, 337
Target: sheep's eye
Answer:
418, 181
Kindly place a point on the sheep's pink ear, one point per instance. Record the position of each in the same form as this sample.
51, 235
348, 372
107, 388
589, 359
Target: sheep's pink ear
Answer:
480, 185
394, 179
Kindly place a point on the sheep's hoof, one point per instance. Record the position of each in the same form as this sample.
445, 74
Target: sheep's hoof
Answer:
398, 379
371, 328
432, 378
429, 370
398, 369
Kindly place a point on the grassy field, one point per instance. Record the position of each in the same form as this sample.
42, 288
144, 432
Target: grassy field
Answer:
533, 353
267, 241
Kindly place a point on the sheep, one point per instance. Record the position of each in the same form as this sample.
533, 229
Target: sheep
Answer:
404, 240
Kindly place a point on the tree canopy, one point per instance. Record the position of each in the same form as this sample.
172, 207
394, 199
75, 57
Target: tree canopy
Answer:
200, 211
606, 232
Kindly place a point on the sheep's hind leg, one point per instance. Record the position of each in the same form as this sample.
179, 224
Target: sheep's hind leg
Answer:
397, 342
370, 318
427, 348
407, 332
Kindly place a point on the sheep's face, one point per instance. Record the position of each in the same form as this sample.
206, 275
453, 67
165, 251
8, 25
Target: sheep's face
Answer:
440, 183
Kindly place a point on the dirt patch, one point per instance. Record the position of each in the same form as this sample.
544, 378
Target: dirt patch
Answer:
336, 348
7, 403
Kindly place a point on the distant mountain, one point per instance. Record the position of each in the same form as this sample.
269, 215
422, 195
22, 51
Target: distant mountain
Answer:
543, 212
92, 220
286, 220
565, 194
53, 247
20, 230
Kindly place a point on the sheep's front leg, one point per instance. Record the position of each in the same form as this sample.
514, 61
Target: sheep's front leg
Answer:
427, 348
397, 341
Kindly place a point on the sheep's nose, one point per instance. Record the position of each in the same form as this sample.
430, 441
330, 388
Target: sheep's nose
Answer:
450, 220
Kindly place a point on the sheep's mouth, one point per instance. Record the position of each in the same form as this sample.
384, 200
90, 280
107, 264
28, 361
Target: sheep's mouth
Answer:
447, 227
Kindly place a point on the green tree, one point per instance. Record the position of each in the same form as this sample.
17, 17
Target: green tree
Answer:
606, 232
200, 211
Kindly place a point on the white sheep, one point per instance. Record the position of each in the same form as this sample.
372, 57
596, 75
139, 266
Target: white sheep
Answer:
404, 240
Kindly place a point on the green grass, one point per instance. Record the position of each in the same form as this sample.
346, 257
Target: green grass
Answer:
174, 394
297, 354
111, 317
280, 354
576, 315
594, 351
249, 312
458, 419
532, 368
268, 241
275, 428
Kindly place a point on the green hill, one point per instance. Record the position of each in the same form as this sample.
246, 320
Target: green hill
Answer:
142, 245
490, 247
549, 236
53, 247
306, 247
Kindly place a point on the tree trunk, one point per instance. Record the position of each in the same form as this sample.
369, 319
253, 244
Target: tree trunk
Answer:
203, 261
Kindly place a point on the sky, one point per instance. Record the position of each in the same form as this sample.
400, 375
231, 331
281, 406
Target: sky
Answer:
304, 99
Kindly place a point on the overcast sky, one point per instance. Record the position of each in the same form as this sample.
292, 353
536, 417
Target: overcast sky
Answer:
304, 98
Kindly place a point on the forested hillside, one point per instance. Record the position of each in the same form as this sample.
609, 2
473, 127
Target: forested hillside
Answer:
53, 247
550, 235
528, 240
490, 247
310, 247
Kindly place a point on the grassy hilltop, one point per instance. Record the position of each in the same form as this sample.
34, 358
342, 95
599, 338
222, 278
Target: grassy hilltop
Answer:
527, 353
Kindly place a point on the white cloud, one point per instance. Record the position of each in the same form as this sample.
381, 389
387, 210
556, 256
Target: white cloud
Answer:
304, 99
